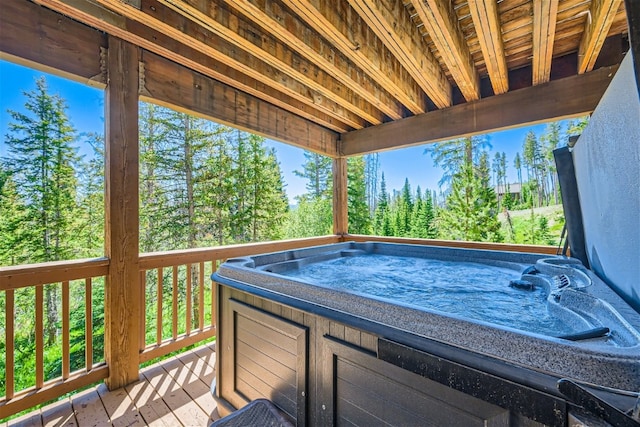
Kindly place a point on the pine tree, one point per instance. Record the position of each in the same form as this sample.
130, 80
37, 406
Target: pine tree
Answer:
358, 210
452, 155
404, 211
381, 223
517, 163
12, 220
372, 166
42, 161
317, 170
90, 223
153, 200
533, 159
216, 184
268, 202
423, 218
471, 208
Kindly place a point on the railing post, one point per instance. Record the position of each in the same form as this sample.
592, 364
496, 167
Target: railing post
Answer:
340, 200
122, 293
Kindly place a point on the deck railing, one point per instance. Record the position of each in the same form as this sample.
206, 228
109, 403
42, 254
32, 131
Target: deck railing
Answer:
176, 284
55, 280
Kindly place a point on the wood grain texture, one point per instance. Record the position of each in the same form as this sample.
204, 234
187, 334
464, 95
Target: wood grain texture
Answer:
487, 24
601, 16
570, 97
213, 30
35, 37
392, 24
291, 31
440, 21
122, 294
544, 31
170, 84
341, 26
302, 103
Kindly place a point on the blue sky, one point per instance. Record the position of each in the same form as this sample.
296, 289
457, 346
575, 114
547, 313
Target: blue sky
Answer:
86, 113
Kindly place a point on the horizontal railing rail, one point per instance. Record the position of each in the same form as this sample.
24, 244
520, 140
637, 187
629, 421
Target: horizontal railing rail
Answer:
41, 293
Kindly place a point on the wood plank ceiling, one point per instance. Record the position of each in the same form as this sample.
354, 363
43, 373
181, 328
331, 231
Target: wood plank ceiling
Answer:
352, 64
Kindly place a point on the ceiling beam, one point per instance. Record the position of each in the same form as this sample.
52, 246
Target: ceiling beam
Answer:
599, 20
440, 21
66, 47
155, 40
32, 35
342, 27
290, 30
158, 18
486, 22
173, 85
557, 99
545, 14
391, 22
243, 35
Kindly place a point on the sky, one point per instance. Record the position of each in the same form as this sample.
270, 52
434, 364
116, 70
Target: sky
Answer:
85, 111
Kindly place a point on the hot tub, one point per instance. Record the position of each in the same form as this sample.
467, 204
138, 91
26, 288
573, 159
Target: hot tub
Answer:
524, 320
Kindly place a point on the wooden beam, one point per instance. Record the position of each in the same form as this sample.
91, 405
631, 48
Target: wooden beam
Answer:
340, 198
179, 87
601, 15
244, 72
122, 304
441, 22
291, 31
163, 45
563, 98
35, 37
544, 33
345, 30
242, 35
391, 22
486, 22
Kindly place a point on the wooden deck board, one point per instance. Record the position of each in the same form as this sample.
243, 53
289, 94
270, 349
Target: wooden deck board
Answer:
58, 414
33, 419
171, 393
89, 409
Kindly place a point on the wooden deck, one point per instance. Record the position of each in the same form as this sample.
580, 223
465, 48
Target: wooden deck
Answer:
175, 392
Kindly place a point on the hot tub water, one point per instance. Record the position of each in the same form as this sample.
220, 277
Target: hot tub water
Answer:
465, 289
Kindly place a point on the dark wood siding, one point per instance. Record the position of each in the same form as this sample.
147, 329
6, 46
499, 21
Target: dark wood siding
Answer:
369, 391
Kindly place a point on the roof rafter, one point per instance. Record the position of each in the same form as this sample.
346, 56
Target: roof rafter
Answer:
440, 21
345, 29
157, 41
599, 20
278, 21
392, 24
545, 14
487, 25
221, 21
74, 50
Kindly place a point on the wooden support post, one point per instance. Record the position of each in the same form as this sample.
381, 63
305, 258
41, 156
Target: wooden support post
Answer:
340, 205
122, 293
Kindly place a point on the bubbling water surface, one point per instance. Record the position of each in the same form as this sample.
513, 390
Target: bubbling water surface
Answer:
466, 289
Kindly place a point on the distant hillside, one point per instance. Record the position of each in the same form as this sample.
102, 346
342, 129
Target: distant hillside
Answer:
544, 229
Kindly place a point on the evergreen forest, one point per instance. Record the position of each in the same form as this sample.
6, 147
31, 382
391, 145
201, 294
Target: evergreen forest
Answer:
206, 184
